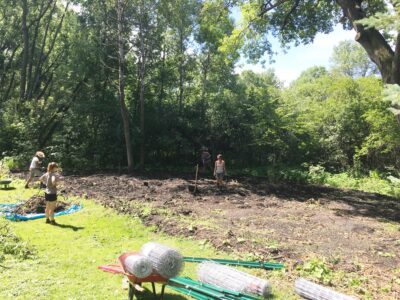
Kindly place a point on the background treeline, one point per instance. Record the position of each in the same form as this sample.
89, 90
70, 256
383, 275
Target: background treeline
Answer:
60, 70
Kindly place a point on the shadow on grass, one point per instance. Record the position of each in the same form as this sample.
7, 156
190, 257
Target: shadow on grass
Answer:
147, 295
74, 228
10, 188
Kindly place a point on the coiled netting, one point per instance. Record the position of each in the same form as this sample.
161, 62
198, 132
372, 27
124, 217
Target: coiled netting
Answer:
138, 265
232, 279
313, 291
165, 261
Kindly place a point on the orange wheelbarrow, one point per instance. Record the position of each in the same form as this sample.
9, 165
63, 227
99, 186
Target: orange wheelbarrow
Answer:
134, 282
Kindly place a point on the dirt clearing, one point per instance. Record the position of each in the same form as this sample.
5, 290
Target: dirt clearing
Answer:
354, 234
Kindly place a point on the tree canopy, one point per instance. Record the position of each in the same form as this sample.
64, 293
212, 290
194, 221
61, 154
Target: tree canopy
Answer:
298, 21
156, 80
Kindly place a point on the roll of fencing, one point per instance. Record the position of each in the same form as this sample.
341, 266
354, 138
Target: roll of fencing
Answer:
232, 279
165, 261
313, 291
138, 265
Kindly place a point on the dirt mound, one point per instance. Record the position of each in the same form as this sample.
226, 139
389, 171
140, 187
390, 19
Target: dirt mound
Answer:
37, 205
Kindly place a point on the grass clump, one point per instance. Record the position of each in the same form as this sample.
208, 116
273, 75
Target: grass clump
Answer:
373, 182
12, 246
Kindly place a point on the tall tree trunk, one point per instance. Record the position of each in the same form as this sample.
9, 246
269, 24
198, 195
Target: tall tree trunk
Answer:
162, 79
142, 86
121, 85
25, 52
181, 71
373, 42
206, 67
396, 61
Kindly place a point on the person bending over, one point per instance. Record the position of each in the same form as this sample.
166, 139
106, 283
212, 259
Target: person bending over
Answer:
34, 168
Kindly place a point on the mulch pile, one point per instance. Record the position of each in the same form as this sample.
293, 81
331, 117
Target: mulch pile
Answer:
37, 205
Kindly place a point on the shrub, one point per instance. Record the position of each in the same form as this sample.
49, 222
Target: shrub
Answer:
4, 169
10, 244
317, 174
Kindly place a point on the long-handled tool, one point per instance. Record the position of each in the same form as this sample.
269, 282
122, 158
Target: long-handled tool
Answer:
195, 182
242, 263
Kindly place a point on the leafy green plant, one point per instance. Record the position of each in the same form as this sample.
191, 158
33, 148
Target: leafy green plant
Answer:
317, 269
373, 183
10, 244
11, 162
317, 174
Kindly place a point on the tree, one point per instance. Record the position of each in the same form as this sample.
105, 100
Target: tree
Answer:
343, 122
299, 21
350, 59
180, 18
389, 23
121, 81
145, 44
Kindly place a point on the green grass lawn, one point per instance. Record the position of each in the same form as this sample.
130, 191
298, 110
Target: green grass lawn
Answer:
65, 259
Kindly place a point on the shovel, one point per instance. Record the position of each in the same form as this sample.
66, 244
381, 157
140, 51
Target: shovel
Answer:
193, 189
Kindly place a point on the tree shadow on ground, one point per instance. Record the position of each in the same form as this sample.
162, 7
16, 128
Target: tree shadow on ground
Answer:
358, 203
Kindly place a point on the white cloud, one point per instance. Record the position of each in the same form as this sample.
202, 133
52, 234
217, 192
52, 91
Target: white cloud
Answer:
287, 75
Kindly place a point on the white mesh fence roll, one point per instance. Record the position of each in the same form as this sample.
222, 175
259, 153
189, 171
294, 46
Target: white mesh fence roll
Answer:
232, 279
313, 291
166, 261
138, 265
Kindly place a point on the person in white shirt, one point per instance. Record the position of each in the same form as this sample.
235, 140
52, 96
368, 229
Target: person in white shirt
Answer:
219, 170
34, 168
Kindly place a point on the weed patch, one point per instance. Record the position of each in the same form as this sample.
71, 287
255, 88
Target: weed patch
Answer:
12, 246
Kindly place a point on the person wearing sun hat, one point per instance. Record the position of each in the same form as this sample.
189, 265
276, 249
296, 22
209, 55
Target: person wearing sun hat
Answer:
34, 168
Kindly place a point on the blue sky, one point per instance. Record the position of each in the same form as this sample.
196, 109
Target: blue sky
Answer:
289, 65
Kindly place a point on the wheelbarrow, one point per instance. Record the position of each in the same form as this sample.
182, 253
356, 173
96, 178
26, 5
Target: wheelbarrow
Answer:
5, 183
135, 282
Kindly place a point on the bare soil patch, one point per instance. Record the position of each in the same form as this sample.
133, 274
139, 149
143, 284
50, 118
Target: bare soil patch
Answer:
356, 234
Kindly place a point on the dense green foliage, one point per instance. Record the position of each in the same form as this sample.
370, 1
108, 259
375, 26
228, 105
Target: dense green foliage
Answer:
350, 59
59, 90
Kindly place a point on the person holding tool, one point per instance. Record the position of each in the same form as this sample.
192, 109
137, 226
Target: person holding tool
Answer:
206, 159
50, 179
34, 168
